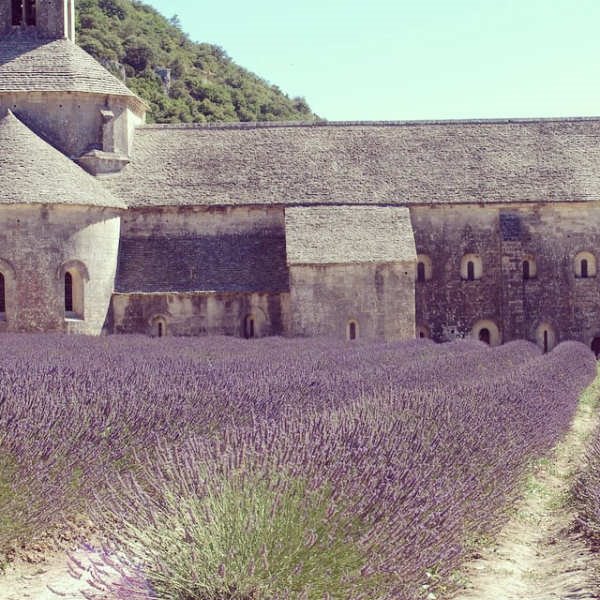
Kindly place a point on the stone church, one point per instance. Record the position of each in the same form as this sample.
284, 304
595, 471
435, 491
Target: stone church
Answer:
350, 230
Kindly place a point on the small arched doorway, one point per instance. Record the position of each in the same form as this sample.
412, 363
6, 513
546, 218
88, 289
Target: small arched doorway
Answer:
422, 332
485, 336
596, 346
487, 331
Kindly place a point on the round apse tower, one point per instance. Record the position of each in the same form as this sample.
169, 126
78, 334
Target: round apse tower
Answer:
59, 238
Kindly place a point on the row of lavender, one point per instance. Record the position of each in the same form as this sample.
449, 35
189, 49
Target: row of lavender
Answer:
270, 469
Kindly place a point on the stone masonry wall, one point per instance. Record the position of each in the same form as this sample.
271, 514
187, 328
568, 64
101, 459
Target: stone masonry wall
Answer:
70, 121
198, 313
200, 220
35, 243
503, 236
378, 297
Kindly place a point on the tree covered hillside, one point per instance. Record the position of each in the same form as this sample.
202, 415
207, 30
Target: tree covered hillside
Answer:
181, 80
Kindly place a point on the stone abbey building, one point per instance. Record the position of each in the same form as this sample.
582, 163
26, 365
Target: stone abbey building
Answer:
356, 230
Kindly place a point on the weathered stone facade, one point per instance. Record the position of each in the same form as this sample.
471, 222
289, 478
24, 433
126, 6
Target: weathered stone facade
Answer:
350, 230
548, 236
38, 245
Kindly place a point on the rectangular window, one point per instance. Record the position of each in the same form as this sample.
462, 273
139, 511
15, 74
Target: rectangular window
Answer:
17, 12
30, 12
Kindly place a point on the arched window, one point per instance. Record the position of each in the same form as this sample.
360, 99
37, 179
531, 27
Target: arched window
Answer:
585, 265
250, 327
485, 336
158, 326
424, 268
73, 286
526, 270
471, 267
2, 295
68, 292
596, 346
470, 270
352, 330
545, 337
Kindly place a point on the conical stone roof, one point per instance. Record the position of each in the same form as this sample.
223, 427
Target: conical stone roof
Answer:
30, 64
33, 172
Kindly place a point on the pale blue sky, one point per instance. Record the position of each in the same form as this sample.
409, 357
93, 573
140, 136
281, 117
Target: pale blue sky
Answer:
418, 59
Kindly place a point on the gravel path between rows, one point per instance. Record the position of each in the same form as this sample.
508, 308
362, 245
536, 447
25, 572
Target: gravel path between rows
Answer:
538, 555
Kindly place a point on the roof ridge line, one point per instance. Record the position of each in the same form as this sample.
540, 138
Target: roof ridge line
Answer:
242, 125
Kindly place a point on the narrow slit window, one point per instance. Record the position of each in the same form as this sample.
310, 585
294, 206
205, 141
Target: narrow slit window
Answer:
584, 268
421, 272
352, 331
30, 12
68, 292
17, 12
546, 343
526, 270
2, 294
470, 271
249, 329
161, 329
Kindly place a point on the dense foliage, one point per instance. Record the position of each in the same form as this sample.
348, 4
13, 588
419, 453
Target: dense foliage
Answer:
232, 469
182, 81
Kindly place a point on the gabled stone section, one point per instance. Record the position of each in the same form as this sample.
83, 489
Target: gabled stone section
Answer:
33, 172
320, 235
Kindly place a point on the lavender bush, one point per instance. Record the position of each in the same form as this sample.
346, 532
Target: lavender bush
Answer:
222, 468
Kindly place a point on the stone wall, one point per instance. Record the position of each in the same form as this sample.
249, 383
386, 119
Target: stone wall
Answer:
5, 16
549, 235
37, 245
56, 18
200, 220
201, 313
72, 122
379, 298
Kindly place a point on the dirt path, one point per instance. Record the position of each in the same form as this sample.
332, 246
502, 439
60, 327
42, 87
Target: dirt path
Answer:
50, 580
537, 556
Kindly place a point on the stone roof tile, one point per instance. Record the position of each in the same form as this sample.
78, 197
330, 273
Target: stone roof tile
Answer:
252, 262
30, 64
33, 172
348, 234
364, 163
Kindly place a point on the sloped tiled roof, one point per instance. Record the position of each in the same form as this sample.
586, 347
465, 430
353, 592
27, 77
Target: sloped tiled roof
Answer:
30, 64
33, 172
364, 163
348, 234
254, 262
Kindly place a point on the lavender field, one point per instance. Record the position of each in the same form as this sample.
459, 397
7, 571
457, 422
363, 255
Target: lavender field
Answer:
220, 468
